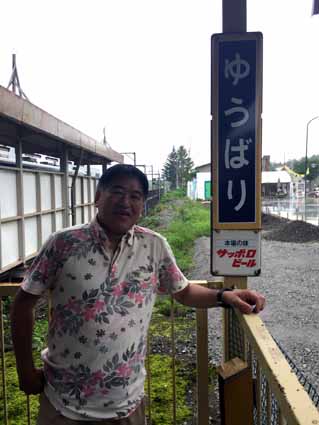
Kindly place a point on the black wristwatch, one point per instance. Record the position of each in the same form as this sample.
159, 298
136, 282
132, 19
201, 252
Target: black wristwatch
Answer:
220, 302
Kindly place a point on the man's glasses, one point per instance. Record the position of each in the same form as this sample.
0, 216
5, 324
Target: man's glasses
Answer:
134, 196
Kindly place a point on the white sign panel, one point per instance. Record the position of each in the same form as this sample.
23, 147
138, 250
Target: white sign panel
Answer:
236, 253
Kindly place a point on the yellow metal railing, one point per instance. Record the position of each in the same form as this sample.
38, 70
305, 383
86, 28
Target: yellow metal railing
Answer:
280, 398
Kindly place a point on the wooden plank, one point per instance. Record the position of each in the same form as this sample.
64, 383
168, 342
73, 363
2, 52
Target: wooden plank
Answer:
8, 289
236, 393
214, 284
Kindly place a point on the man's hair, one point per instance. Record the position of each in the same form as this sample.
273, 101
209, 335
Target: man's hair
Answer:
120, 170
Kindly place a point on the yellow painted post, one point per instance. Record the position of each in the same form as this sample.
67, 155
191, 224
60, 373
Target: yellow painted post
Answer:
236, 393
202, 366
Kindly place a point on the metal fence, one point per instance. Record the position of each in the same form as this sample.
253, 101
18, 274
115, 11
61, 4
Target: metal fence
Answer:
282, 394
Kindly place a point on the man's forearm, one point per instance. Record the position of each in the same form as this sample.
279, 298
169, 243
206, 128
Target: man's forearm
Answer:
245, 300
197, 296
22, 326
22, 322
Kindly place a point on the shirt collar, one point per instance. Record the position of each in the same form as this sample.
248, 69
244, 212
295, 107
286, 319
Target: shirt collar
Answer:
101, 235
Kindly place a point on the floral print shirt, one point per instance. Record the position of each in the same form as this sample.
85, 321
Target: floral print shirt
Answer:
101, 308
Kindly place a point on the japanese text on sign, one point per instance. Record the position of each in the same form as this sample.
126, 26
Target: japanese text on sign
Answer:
236, 252
237, 134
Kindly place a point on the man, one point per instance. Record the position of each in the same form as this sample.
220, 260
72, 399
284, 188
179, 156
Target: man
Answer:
103, 278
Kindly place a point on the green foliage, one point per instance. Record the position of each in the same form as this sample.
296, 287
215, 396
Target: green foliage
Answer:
191, 221
178, 168
170, 169
299, 166
172, 195
164, 305
40, 335
16, 399
162, 391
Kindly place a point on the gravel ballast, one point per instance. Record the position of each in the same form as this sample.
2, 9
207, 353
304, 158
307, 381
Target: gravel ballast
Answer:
289, 280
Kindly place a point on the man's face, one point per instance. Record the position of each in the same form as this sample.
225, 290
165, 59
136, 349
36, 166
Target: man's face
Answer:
120, 204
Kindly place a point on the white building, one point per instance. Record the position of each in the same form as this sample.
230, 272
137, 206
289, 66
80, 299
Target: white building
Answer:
200, 186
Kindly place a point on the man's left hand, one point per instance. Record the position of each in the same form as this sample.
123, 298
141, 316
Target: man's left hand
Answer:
245, 300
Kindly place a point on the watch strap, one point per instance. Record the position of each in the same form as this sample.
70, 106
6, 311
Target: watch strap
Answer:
220, 302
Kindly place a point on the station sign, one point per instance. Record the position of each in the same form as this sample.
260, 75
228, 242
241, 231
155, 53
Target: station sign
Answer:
236, 152
236, 130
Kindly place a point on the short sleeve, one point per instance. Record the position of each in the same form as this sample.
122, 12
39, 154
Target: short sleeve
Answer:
171, 279
41, 275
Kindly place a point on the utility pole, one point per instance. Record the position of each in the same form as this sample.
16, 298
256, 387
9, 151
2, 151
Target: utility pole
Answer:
234, 16
14, 82
141, 165
131, 153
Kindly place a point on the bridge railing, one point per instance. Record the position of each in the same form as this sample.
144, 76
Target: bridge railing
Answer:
279, 398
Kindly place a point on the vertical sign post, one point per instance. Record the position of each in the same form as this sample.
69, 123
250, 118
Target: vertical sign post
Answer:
236, 153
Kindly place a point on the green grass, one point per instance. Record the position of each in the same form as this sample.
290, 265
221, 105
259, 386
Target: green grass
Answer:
16, 399
162, 392
191, 220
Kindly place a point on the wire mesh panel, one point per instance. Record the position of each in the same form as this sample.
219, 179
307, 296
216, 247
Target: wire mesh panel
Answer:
236, 343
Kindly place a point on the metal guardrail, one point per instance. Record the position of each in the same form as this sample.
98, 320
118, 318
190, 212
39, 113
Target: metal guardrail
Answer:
279, 397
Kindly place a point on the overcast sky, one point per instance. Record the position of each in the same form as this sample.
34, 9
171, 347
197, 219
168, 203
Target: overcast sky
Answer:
141, 68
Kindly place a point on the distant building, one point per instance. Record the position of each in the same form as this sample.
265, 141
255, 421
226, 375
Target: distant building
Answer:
275, 183
200, 186
281, 183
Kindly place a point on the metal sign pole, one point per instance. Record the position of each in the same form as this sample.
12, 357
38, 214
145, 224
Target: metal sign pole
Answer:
234, 16
236, 146
236, 152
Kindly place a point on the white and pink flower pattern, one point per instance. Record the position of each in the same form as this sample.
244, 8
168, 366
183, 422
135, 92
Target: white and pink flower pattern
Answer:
101, 308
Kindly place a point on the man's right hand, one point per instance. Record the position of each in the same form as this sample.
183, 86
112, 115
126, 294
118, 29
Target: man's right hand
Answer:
32, 382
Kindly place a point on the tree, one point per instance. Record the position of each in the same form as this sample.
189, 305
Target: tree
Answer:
178, 168
185, 166
169, 169
298, 165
